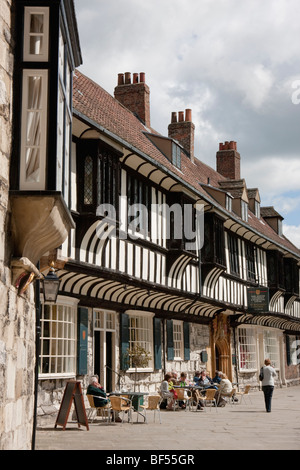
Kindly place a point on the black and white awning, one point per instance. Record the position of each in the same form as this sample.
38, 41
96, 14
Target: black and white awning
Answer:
112, 292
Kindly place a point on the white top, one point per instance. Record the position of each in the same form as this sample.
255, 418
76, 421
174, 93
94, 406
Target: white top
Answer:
165, 389
225, 386
269, 375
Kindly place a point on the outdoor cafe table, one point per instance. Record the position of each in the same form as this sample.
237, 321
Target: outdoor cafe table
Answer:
202, 389
137, 399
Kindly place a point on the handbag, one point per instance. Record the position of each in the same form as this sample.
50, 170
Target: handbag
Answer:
261, 374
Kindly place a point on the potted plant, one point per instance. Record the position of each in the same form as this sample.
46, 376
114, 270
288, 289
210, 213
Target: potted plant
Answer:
138, 358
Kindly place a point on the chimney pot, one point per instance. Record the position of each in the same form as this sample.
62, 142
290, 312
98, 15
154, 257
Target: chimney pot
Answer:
142, 77
127, 78
174, 117
181, 116
135, 78
120, 78
188, 114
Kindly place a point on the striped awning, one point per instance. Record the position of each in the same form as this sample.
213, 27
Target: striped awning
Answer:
272, 320
116, 292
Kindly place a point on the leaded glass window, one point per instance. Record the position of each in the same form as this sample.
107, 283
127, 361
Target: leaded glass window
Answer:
88, 181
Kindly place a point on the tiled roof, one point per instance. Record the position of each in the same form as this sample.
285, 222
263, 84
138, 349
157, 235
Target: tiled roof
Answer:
269, 212
92, 101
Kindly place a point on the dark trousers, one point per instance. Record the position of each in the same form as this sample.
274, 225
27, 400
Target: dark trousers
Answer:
268, 393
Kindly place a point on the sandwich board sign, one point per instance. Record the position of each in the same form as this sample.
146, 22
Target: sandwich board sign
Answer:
72, 395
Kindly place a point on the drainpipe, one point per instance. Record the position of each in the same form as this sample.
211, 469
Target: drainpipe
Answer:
37, 357
164, 347
199, 252
236, 356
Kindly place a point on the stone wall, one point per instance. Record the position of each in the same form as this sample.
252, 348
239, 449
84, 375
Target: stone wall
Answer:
17, 313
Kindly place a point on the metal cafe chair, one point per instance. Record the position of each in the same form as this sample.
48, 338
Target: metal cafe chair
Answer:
244, 393
121, 404
152, 405
210, 396
181, 396
93, 411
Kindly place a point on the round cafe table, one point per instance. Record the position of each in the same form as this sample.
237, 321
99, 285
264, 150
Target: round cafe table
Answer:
137, 399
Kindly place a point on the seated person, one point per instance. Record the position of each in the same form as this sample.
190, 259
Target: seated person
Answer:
174, 378
167, 391
96, 389
183, 383
183, 379
206, 381
224, 390
197, 377
217, 378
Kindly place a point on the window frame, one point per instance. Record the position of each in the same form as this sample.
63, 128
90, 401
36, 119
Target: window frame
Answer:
244, 210
27, 55
257, 209
25, 118
247, 333
67, 304
103, 157
178, 340
250, 253
233, 252
64, 119
271, 347
176, 155
147, 328
139, 195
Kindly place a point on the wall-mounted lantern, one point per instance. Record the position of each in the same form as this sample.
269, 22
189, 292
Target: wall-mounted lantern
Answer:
50, 286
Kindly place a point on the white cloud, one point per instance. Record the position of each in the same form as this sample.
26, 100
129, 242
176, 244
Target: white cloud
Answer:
274, 175
292, 232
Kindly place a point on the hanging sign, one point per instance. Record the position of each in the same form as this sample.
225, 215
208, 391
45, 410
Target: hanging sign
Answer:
258, 299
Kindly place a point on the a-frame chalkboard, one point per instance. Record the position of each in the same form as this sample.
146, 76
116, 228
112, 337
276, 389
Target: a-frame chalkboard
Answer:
72, 394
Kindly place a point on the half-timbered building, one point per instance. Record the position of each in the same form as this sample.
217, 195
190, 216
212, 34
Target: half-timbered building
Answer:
168, 254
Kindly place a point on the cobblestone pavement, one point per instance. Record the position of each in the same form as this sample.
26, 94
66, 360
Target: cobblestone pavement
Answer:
244, 426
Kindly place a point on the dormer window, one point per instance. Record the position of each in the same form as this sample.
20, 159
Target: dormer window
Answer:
176, 155
244, 211
228, 202
271, 216
254, 201
279, 227
257, 209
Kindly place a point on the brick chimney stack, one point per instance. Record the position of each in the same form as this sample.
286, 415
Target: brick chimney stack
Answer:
229, 161
134, 95
183, 130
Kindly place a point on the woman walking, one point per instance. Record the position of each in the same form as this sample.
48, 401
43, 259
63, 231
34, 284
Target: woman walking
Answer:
268, 375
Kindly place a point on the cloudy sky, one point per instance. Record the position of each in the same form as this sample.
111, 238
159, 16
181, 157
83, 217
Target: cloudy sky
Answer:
235, 63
